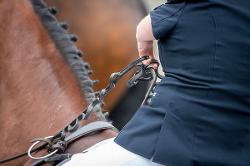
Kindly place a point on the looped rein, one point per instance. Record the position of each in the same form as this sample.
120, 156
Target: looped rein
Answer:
56, 145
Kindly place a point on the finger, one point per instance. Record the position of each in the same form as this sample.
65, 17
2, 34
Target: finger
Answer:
146, 62
155, 66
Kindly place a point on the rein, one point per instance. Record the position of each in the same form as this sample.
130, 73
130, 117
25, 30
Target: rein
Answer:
57, 144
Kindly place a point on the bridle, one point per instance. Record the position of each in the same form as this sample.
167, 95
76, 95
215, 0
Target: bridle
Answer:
57, 144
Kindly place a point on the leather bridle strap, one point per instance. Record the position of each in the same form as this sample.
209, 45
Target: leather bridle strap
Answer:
87, 129
60, 144
83, 131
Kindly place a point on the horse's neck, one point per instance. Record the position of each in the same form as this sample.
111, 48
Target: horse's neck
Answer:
38, 93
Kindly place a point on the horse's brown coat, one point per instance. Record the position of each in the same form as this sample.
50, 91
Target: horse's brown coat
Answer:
38, 93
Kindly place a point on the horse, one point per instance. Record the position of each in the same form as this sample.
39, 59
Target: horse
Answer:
106, 30
44, 82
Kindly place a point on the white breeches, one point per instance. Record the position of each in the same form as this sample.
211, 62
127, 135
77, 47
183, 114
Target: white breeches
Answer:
108, 153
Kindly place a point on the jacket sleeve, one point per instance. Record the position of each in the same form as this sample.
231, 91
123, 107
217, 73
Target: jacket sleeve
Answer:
165, 17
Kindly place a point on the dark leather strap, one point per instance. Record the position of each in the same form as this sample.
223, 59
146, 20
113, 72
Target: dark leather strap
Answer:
89, 128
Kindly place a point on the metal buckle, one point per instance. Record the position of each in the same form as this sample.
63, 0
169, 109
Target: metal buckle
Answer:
41, 157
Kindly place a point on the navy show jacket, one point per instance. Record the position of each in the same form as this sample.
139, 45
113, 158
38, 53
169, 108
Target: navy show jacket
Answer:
200, 115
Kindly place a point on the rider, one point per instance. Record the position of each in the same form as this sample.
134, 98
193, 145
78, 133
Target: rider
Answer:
200, 114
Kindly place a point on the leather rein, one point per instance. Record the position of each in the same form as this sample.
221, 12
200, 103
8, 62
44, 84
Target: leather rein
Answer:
57, 144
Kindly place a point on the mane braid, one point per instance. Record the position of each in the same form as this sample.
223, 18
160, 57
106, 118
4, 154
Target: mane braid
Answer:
64, 44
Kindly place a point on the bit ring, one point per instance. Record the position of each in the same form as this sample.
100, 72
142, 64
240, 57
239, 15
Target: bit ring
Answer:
41, 157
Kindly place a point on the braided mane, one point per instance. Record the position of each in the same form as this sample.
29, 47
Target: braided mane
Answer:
65, 44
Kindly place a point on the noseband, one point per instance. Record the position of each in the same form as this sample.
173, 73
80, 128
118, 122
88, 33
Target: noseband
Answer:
57, 144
